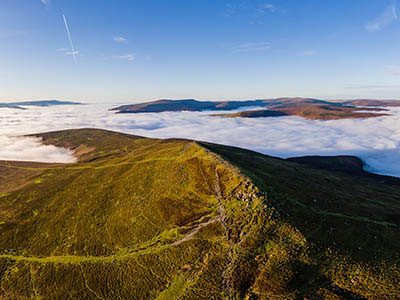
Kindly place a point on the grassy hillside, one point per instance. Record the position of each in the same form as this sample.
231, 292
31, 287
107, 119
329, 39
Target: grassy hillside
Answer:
140, 218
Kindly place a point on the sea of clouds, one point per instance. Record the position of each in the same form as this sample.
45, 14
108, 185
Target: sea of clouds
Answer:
31, 149
375, 140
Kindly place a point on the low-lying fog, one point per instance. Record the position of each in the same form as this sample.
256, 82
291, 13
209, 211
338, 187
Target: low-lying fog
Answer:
376, 140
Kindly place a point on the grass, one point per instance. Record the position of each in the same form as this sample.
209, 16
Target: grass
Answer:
257, 227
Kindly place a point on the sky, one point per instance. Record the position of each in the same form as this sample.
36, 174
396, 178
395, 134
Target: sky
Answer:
133, 51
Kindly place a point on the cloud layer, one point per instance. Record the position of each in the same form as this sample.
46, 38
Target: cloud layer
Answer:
31, 149
375, 140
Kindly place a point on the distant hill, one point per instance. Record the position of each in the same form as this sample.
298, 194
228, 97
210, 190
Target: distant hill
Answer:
195, 105
371, 102
20, 105
140, 218
315, 112
10, 105
185, 105
304, 107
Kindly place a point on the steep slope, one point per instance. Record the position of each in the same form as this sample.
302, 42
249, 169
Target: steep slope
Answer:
140, 218
350, 164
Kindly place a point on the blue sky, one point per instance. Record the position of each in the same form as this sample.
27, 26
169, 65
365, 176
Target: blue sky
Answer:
128, 50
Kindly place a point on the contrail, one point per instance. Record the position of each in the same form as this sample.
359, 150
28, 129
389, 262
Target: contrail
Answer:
73, 52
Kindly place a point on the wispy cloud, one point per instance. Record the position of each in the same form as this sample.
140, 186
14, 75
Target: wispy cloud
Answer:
72, 53
68, 51
129, 57
393, 69
249, 9
268, 7
388, 16
120, 39
45, 2
308, 52
250, 47
232, 9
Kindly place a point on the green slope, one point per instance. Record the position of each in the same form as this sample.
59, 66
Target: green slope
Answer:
140, 218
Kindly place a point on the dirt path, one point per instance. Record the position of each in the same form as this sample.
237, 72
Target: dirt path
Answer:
227, 276
195, 231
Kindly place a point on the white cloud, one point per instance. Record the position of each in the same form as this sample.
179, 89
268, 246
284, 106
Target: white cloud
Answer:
250, 47
249, 9
67, 51
266, 7
308, 52
45, 2
72, 52
375, 140
31, 149
120, 39
129, 57
388, 16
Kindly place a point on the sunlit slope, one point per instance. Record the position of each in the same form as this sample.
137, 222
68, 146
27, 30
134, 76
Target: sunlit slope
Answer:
140, 218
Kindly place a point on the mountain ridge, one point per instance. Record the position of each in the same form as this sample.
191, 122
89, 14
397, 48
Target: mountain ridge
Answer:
42, 103
140, 218
309, 108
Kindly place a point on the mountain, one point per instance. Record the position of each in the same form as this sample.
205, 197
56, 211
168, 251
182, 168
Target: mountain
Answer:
195, 105
37, 103
371, 102
261, 113
314, 112
10, 105
304, 107
185, 105
139, 218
